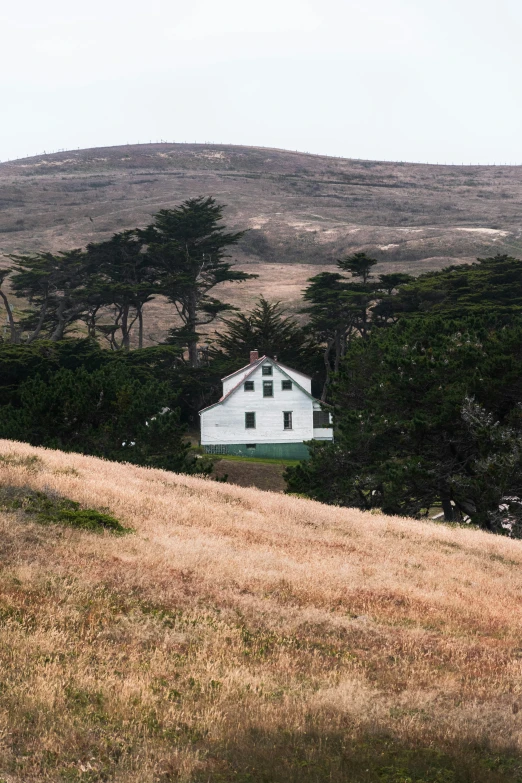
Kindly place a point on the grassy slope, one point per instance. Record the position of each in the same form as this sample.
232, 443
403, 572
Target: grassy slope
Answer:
304, 211
244, 636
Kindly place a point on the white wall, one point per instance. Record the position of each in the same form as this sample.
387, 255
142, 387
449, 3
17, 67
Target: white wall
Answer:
225, 423
229, 383
232, 381
302, 380
323, 433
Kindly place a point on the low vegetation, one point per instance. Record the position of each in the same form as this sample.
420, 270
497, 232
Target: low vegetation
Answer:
48, 506
48, 509
245, 636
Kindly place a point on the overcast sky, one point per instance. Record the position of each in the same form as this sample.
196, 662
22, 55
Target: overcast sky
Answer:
418, 80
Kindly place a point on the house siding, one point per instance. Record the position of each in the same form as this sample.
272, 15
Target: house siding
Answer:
235, 379
224, 424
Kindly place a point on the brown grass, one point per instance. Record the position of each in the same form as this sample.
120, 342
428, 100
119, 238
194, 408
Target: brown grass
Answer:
241, 635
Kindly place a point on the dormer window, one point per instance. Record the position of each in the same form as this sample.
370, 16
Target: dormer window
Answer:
267, 369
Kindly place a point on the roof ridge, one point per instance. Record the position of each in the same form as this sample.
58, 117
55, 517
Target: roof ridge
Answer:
243, 379
250, 364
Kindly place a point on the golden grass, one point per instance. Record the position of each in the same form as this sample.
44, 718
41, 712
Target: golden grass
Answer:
240, 635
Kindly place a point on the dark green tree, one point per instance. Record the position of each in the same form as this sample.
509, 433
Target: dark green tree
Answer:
339, 309
268, 330
14, 332
491, 285
391, 282
120, 278
405, 438
54, 286
359, 265
331, 319
109, 412
188, 246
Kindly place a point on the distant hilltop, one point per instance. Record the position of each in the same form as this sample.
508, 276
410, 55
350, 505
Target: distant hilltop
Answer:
301, 208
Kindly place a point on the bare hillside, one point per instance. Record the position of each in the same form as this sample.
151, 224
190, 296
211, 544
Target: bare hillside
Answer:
238, 635
303, 210
299, 207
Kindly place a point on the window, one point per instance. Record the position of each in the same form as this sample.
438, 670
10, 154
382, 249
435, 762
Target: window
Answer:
249, 385
287, 420
268, 389
250, 421
251, 445
267, 369
286, 385
321, 419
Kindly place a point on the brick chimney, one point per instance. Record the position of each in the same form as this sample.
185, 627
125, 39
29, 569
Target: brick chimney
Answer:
254, 356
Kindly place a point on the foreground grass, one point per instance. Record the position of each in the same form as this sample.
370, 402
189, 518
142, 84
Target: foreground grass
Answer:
244, 636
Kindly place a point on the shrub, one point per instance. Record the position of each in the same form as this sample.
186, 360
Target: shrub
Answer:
48, 508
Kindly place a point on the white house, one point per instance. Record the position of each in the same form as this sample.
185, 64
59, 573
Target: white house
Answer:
266, 410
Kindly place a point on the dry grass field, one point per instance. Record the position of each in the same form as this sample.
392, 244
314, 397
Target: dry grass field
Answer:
302, 211
239, 635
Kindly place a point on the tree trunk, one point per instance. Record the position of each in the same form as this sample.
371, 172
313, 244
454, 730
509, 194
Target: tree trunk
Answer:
125, 335
43, 312
191, 324
60, 326
445, 501
15, 336
91, 322
337, 350
193, 353
140, 326
328, 368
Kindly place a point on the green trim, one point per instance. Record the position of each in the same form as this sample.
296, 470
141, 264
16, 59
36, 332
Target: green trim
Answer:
293, 451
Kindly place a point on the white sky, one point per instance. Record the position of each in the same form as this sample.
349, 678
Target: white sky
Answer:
418, 80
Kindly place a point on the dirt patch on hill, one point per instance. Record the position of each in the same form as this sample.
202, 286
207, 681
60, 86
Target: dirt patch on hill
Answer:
267, 476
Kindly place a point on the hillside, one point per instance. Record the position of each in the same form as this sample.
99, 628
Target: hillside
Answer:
303, 211
238, 635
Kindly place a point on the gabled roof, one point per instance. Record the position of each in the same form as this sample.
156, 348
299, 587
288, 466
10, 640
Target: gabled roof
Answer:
255, 365
252, 364
258, 362
284, 367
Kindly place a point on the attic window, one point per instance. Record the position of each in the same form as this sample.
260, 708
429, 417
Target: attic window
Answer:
286, 385
249, 385
267, 369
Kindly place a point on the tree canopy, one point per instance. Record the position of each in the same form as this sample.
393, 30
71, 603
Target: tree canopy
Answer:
104, 288
417, 407
188, 246
491, 285
268, 330
74, 396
